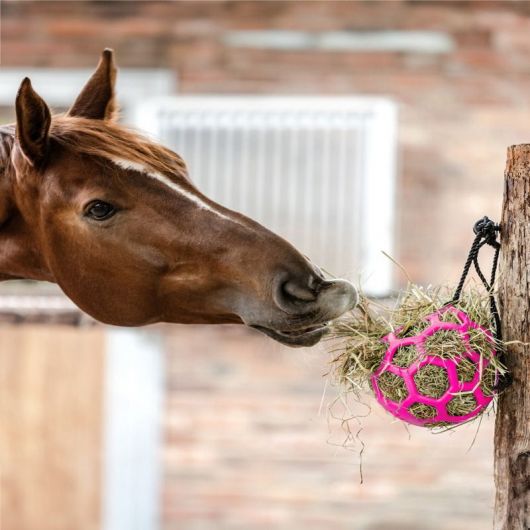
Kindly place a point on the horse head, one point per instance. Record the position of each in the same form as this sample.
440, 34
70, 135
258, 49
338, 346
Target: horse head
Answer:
114, 220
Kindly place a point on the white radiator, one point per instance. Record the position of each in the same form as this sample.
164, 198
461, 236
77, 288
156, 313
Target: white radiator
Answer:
320, 171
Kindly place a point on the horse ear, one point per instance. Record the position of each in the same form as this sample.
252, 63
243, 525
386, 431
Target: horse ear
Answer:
96, 100
33, 123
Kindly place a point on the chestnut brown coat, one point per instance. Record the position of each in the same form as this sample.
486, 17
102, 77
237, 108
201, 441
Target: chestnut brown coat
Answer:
113, 218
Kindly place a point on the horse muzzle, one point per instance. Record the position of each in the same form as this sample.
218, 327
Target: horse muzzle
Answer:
308, 309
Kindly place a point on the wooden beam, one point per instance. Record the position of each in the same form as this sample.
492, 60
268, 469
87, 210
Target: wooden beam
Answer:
512, 428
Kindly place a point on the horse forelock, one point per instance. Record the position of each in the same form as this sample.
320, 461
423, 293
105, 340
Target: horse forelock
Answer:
111, 141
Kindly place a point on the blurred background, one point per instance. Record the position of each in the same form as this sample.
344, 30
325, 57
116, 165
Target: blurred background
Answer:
350, 128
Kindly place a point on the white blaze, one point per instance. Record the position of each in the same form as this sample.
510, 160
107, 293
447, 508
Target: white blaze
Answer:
140, 168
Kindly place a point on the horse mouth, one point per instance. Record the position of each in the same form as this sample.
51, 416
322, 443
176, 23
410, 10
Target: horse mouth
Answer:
297, 338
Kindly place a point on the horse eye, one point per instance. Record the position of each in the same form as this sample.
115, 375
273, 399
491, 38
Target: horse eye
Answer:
100, 210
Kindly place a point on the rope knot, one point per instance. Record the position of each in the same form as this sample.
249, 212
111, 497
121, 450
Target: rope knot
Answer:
487, 229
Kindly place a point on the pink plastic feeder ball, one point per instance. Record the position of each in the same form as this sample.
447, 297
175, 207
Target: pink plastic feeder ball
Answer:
439, 405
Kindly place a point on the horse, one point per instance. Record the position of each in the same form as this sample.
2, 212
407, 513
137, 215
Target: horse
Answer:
113, 218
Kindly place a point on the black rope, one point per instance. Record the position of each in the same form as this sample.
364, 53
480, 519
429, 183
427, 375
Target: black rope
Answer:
486, 232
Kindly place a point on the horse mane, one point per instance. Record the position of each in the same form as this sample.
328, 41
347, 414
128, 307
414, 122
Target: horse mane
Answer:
7, 133
112, 141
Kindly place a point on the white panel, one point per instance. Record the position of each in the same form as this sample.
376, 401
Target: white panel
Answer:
378, 198
60, 86
319, 171
134, 390
411, 41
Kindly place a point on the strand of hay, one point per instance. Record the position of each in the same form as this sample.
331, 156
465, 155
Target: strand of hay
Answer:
360, 349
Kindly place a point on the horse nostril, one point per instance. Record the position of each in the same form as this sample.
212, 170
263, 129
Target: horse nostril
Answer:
292, 296
298, 292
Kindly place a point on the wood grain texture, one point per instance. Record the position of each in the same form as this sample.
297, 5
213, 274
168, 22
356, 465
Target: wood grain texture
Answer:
512, 428
50, 427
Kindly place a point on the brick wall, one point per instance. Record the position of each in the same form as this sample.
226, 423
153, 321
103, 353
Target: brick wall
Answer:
245, 445
458, 110
250, 447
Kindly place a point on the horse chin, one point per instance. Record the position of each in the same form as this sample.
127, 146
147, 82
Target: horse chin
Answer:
296, 339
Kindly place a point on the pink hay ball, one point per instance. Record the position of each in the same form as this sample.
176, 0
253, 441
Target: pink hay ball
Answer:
463, 398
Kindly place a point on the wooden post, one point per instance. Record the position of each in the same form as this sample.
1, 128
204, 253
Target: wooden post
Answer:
512, 427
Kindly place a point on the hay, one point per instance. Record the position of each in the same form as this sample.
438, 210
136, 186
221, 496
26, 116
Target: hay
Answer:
393, 386
461, 405
405, 356
445, 344
432, 381
362, 351
466, 371
487, 382
422, 411
362, 348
